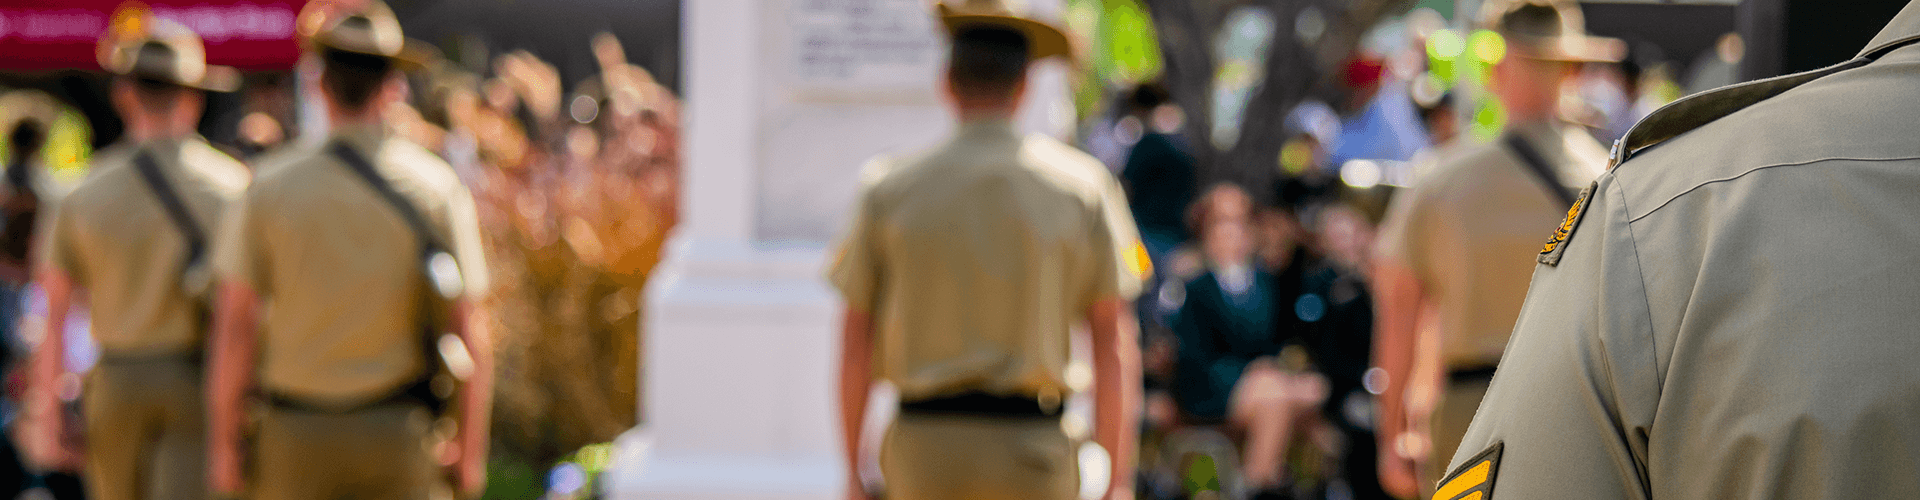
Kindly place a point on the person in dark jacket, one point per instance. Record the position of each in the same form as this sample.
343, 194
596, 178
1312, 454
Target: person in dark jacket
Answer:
1228, 369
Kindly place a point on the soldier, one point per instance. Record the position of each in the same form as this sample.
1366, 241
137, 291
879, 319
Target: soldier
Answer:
1728, 312
332, 236
1451, 267
131, 239
963, 271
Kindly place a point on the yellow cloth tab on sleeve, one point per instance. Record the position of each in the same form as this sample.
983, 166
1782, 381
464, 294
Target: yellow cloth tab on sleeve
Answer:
1138, 262
1474, 479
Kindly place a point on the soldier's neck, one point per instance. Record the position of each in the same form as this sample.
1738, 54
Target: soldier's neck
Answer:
344, 119
985, 114
149, 132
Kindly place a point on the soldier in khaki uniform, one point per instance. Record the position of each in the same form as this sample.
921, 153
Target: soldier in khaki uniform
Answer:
340, 351
1451, 260
963, 271
1729, 312
130, 239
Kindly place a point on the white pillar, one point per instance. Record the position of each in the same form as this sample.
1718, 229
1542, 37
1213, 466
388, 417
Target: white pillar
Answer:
785, 100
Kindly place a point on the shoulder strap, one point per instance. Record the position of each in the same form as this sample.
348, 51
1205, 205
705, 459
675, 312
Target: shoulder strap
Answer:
176, 208
1538, 166
364, 169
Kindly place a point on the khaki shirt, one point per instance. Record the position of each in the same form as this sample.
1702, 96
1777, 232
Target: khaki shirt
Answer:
976, 258
114, 238
338, 268
1733, 315
1470, 225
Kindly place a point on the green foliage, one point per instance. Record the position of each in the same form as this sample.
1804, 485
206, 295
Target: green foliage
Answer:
513, 478
1201, 474
1132, 48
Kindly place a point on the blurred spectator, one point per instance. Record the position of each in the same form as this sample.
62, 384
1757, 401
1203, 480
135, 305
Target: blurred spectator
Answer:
1439, 116
1332, 312
1229, 368
20, 204
1159, 175
259, 133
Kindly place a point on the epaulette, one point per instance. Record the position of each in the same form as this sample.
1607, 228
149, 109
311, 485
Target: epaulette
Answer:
1697, 110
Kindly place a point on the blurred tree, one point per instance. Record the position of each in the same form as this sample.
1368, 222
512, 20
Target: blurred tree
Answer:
1310, 39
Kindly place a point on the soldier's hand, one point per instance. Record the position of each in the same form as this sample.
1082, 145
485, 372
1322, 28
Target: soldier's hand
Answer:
44, 425
469, 472
1400, 466
860, 494
223, 471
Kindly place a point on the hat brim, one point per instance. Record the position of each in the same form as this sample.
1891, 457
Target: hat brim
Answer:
1043, 40
413, 55
1575, 49
217, 79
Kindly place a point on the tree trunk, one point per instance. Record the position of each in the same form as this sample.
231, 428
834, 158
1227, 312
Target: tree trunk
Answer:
1293, 72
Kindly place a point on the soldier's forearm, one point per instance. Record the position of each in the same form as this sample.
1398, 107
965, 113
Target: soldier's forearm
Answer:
49, 359
231, 349
856, 383
1116, 374
1397, 302
477, 399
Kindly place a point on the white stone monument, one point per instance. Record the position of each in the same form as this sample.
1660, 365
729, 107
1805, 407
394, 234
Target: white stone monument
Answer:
785, 100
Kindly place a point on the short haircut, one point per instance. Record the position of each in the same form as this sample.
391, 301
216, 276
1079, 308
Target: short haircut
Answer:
25, 140
988, 61
353, 78
156, 96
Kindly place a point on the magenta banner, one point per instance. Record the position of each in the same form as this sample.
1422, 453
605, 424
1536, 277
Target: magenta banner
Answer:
60, 34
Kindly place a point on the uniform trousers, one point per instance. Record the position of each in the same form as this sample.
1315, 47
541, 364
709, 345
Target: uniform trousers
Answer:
146, 429
958, 457
380, 453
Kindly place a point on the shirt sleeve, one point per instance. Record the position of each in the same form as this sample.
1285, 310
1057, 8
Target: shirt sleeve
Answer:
238, 246
58, 250
856, 266
1120, 263
1573, 400
468, 247
1404, 233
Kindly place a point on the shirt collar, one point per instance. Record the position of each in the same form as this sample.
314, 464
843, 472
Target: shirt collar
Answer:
168, 147
364, 138
1904, 27
987, 127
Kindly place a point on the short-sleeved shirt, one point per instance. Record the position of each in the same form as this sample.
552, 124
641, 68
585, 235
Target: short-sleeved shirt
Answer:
977, 257
115, 239
1733, 314
338, 268
1470, 226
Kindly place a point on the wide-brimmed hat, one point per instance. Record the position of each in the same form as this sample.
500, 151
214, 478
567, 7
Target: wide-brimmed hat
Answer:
369, 30
1552, 30
1043, 40
139, 45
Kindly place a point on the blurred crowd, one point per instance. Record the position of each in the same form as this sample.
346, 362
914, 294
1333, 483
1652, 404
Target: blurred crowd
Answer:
576, 189
1258, 330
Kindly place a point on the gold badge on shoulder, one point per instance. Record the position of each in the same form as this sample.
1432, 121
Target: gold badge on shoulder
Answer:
1556, 245
1474, 479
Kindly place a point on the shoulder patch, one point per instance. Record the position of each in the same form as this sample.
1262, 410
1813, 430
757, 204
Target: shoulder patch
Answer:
1138, 262
1556, 245
1474, 479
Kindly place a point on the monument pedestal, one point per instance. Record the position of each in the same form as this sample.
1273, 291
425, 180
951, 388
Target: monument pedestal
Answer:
786, 100
739, 379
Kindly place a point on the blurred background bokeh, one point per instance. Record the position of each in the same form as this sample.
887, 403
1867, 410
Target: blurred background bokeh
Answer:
564, 118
